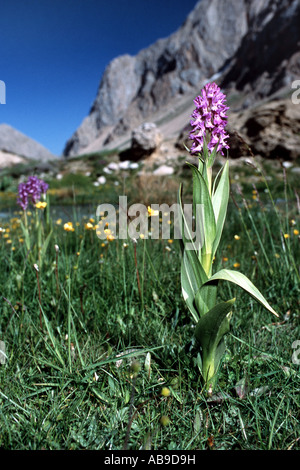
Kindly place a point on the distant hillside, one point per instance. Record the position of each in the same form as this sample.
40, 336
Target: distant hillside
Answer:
14, 143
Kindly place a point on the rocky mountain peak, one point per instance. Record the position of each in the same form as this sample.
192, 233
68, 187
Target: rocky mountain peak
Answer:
248, 45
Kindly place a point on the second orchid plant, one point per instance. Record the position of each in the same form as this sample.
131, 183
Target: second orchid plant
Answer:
36, 240
199, 283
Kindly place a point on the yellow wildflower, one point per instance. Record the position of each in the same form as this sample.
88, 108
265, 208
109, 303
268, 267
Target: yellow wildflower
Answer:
237, 237
41, 205
165, 392
89, 226
236, 265
165, 420
152, 212
286, 235
68, 227
296, 232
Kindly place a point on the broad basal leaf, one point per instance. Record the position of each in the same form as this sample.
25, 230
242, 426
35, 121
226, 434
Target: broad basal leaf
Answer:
212, 326
242, 281
209, 332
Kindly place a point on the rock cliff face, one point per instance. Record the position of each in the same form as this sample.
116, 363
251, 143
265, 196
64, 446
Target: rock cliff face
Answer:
271, 129
268, 58
167, 69
251, 46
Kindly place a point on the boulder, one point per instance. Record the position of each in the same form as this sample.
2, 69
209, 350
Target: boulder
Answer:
271, 130
145, 140
163, 170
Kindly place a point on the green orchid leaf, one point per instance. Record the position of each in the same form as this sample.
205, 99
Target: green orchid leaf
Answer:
209, 332
201, 197
192, 278
189, 285
220, 202
242, 281
205, 298
212, 327
185, 228
192, 272
26, 235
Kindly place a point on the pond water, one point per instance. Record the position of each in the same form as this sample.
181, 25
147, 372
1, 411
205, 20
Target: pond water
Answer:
64, 212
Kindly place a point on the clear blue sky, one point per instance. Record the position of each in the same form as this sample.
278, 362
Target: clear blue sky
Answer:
53, 54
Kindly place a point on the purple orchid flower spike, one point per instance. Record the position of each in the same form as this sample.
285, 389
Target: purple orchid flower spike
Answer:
209, 120
31, 190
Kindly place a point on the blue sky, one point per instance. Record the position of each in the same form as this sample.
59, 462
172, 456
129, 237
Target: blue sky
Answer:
54, 52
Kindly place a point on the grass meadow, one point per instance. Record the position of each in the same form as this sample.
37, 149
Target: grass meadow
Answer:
98, 348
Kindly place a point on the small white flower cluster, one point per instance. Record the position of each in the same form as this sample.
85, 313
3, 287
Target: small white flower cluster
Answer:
113, 167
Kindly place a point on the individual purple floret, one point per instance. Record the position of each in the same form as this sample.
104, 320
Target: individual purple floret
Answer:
209, 120
31, 190
23, 196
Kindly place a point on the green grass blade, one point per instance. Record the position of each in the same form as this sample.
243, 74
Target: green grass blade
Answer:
45, 246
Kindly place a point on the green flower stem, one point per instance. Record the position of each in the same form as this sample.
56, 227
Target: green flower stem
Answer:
209, 179
206, 261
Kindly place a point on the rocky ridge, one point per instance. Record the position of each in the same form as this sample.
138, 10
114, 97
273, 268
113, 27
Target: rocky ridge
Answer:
16, 147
